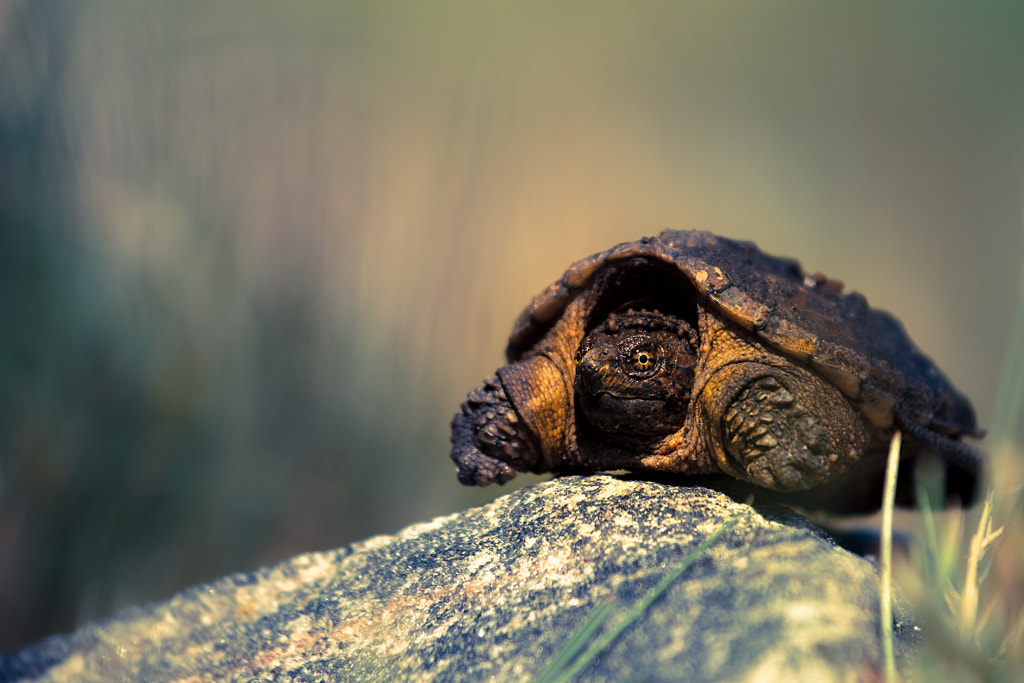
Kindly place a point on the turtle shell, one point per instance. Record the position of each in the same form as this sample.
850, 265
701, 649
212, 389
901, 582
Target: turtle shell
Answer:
863, 352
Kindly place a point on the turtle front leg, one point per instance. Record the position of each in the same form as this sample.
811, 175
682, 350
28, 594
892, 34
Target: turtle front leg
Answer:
518, 421
782, 428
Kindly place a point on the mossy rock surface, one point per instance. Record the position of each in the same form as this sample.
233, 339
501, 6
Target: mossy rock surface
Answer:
495, 591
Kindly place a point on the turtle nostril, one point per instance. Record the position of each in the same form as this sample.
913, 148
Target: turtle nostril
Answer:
588, 373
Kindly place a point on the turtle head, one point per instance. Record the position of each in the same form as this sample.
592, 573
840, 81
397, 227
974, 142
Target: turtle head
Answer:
634, 374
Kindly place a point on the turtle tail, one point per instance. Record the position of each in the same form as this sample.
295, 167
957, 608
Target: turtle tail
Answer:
963, 461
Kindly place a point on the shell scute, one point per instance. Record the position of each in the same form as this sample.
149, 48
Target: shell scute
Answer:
742, 309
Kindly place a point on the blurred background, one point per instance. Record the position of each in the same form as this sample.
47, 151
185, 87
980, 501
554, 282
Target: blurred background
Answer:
254, 254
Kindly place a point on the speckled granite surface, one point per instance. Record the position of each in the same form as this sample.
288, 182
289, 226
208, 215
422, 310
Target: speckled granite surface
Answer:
494, 591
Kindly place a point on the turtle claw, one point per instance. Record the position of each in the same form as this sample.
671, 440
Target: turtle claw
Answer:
489, 440
475, 468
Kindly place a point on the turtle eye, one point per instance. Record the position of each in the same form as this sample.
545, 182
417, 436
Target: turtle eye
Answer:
579, 355
642, 359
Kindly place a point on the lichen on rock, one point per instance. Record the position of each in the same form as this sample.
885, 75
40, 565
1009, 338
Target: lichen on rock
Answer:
495, 591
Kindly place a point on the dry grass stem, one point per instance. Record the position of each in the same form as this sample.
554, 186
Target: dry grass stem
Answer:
888, 504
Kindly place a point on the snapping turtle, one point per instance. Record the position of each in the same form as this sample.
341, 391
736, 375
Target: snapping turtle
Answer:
695, 354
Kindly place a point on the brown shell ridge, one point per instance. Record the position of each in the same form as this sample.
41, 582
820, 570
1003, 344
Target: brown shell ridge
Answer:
864, 352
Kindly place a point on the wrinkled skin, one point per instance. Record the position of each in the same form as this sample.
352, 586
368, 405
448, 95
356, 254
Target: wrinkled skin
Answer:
693, 354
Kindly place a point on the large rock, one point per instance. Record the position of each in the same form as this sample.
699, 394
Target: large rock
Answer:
496, 591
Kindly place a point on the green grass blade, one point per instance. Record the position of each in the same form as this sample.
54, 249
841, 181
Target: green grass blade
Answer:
572, 647
930, 561
639, 607
1009, 404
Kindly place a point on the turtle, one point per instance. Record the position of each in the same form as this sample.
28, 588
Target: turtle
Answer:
696, 355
